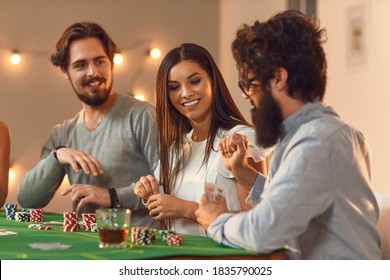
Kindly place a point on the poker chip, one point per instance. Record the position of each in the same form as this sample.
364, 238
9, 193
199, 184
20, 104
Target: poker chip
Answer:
34, 225
45, 228
165, 233
134, 233
22, 216
143, 235
72, 215
36, 215
10, 210
94, 227
175, 239
71, 222
88, 220
71, 227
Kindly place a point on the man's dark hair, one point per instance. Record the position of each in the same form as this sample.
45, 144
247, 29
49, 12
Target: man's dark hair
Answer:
81, 30
289, 40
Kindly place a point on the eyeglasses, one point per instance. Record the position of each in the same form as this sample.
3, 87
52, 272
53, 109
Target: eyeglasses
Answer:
248, 87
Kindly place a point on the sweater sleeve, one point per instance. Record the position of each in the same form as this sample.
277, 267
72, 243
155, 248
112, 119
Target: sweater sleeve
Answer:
38, 185
145, 131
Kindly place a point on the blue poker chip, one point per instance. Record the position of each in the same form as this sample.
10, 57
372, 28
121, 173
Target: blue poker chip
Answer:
10, 210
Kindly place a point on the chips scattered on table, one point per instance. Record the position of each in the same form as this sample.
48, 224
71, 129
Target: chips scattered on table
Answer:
141, 235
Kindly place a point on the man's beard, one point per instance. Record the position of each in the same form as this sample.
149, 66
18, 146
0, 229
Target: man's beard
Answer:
268, 120
97, 98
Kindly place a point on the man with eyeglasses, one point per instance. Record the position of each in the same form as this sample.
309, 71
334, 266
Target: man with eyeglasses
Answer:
317, 199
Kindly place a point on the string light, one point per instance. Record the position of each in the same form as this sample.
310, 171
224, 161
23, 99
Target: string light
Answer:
15, 58
118, 58
139, 96
11, 174
155, 53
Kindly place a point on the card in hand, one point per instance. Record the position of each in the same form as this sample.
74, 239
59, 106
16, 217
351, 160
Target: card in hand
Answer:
213, 193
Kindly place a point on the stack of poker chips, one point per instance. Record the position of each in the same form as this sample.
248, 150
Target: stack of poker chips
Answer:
175, 239
22, 216
36, 215
143, 235
134, 233
164, 233
10, 210
71, 221
88, 220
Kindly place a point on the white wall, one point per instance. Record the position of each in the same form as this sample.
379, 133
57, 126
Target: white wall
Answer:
233, 15
360, 94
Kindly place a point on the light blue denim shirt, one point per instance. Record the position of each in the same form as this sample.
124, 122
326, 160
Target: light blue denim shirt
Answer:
317, 199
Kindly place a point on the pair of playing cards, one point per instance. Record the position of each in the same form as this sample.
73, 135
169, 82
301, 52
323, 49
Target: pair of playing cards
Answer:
214, 194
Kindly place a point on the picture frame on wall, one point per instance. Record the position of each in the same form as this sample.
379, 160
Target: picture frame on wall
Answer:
357, 35
308, 7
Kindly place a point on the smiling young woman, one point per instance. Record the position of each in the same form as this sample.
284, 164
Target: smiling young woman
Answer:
195, 111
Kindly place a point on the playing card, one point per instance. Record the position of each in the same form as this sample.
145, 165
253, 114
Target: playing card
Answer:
49, 246
4, 232
55, 223
213, 193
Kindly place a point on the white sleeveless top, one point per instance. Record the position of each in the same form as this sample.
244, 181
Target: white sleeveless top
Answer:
190, 181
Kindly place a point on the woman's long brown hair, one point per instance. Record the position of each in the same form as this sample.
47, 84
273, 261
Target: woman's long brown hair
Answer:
173, 126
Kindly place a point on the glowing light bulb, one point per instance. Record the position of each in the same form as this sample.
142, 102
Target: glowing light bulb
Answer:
15, 58
155, 53
140, 96
118, 59
11, 174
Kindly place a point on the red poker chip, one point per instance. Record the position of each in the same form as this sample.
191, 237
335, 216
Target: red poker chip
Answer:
69, 228
74, 215
175, 239
45, 228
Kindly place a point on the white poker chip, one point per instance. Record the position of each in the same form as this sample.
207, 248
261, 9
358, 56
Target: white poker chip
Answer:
35, 225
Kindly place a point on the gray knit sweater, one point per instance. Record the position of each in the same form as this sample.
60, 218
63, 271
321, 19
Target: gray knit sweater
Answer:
125, 143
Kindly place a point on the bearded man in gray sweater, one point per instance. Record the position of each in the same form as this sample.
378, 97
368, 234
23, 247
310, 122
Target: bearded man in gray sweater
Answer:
107, 146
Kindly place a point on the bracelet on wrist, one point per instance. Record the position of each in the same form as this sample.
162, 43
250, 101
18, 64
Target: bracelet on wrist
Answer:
55, 151
113, 198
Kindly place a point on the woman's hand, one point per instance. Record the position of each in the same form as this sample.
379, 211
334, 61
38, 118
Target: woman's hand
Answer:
146, 186
165, 206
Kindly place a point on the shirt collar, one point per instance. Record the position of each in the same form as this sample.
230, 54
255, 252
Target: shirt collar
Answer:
299, 116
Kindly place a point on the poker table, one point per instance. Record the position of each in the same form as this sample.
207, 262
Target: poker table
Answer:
85, 245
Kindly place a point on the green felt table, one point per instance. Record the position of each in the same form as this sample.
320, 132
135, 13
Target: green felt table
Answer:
85, 245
